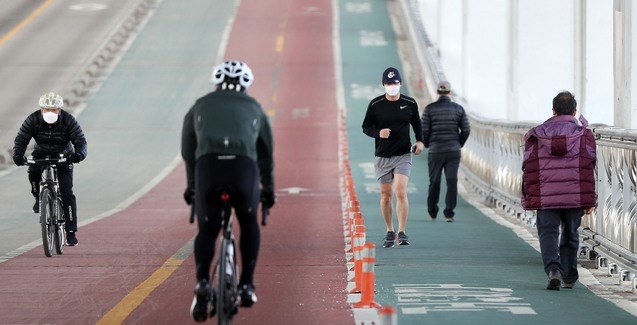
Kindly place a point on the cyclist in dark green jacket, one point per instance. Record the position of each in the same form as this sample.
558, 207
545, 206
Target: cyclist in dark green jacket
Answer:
227, 143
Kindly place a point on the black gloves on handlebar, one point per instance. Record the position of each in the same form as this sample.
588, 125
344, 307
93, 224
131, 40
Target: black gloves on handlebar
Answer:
268, 198
20, 160
189, 195
76, 157
73, 156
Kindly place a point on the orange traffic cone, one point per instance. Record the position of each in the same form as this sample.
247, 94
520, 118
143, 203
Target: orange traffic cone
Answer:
368, 278
358, 247
387, 315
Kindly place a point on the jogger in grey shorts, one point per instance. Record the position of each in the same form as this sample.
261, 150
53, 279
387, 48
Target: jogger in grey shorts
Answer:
387, 120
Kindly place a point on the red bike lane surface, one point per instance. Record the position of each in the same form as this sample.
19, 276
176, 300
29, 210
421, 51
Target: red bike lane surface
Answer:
115, 254
301, 275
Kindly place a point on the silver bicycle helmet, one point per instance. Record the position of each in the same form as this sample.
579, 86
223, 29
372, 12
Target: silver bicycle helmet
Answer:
51, 100
232, 73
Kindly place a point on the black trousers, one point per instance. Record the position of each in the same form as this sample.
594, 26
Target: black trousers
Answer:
449, 162
65, 179
557, 230
241, 175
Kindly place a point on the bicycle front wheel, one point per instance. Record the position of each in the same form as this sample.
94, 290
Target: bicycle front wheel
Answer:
46, 220
59, 229
227, 286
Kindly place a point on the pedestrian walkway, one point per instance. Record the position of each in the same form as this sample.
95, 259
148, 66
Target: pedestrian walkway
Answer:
479, 269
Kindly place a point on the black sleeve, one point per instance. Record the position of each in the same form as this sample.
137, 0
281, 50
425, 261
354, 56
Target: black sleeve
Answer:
24, 136
426, 127
77, 137
416, 123
368, 124
265, 155
465, 128
188, 148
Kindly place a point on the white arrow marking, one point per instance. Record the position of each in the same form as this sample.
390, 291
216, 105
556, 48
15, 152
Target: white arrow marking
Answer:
293, 190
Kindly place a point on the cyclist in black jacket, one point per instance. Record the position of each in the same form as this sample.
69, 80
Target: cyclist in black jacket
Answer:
227, 142
387, 120
55, 132
445, 129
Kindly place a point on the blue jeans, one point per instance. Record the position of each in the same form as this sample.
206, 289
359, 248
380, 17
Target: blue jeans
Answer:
560, 251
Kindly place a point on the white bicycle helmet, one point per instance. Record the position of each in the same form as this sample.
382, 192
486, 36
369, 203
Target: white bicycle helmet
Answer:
232, 72
51, 100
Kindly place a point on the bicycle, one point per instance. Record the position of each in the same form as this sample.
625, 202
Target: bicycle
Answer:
226, 298
51, 208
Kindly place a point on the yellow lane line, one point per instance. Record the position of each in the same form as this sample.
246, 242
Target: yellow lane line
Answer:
278, 47
133, 299
25, 22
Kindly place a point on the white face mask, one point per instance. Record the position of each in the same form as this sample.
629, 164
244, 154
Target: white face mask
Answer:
50, 117
392, 90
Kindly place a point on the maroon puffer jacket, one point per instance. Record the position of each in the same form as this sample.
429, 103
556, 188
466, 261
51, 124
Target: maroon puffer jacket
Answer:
558, 170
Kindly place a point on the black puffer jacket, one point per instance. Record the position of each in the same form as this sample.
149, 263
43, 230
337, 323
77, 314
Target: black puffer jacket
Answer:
63, 137
445, 126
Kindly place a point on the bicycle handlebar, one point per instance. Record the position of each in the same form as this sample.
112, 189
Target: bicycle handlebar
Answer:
32, 161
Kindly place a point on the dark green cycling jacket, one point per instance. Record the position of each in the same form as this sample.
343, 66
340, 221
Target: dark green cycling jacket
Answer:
227, 122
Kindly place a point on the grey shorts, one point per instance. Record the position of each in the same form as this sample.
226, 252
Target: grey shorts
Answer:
385, 168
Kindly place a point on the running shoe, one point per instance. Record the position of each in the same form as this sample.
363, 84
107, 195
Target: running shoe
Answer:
402, 239
199, 307
390, 239
449, 219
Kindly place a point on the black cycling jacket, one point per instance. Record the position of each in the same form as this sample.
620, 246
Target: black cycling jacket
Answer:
227, 122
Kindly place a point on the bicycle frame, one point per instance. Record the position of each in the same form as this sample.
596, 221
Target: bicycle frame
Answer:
51, 211
226, 298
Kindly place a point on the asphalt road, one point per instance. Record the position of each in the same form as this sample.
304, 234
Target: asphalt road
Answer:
132, 125
48, 45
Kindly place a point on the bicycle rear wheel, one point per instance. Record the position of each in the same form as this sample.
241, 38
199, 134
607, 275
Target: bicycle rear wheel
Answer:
46, 220
227, 286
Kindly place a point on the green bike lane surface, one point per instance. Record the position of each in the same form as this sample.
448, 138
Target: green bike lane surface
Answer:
471, 271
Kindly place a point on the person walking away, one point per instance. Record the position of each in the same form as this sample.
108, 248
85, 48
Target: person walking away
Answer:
55, 132
558, 175
227, 143
445, 128
387, 120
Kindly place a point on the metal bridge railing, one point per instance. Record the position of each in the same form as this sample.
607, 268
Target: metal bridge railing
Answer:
492, 164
